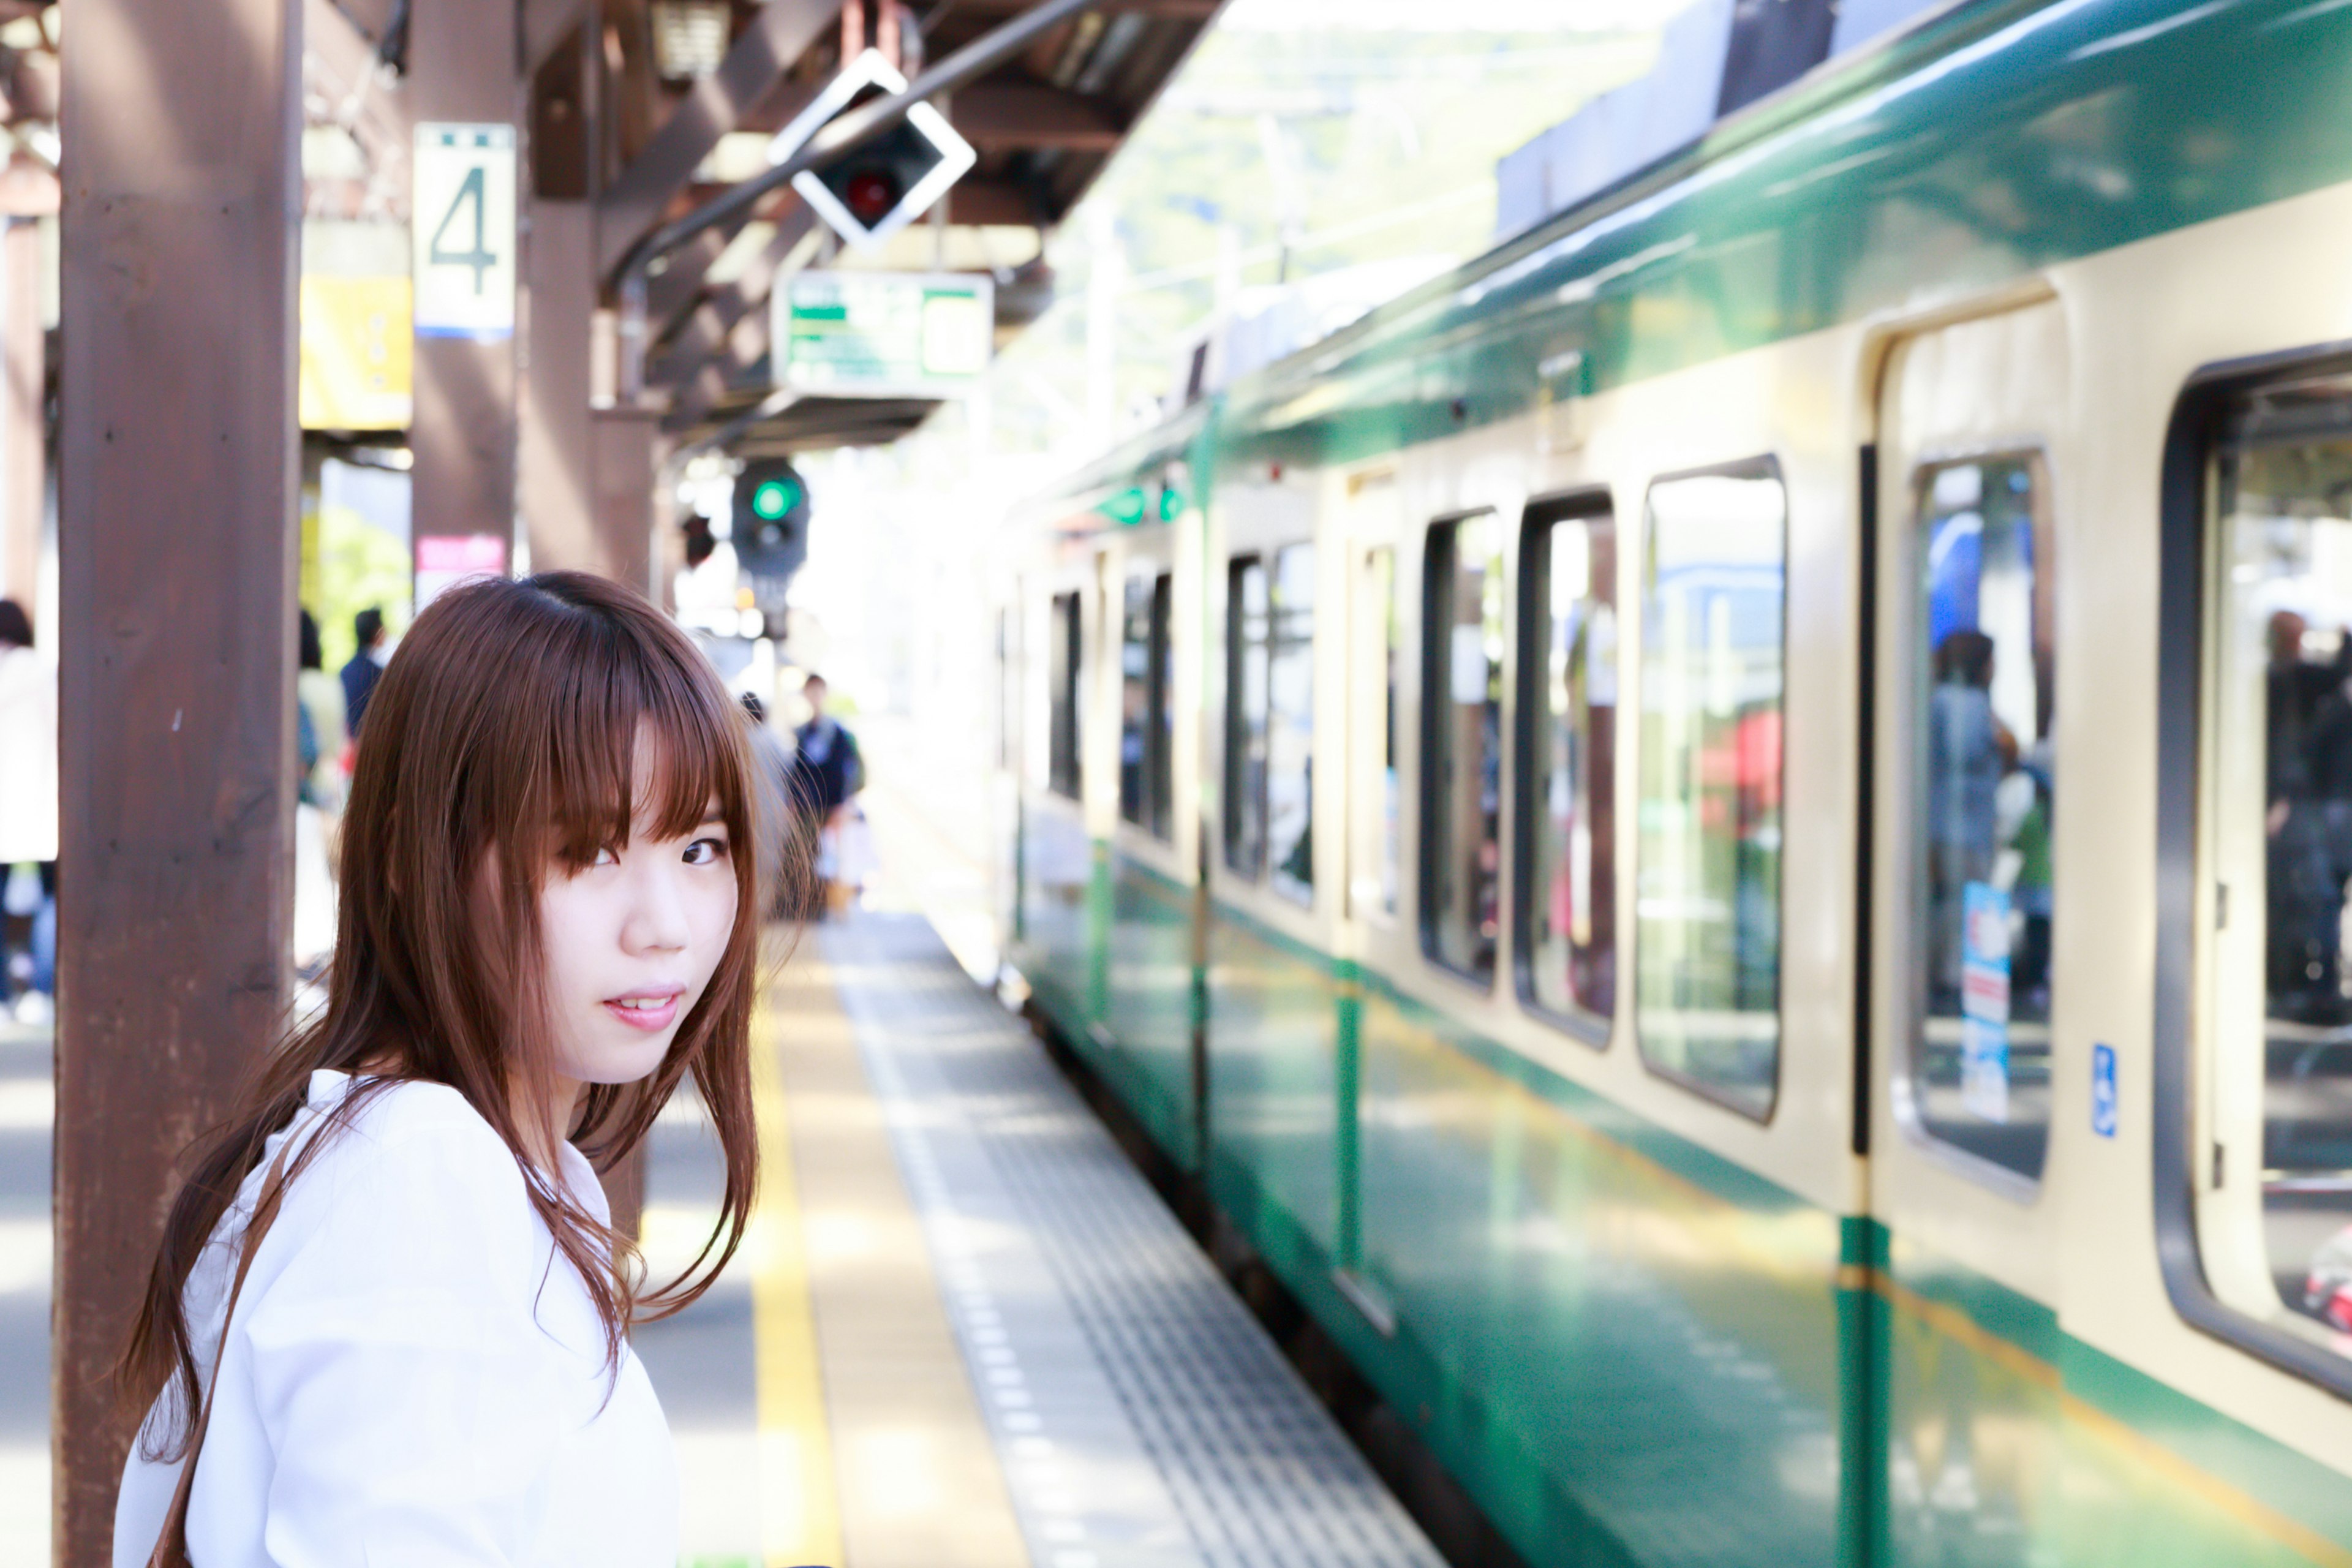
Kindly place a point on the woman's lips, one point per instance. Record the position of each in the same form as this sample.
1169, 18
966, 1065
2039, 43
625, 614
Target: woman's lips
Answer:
651, 1011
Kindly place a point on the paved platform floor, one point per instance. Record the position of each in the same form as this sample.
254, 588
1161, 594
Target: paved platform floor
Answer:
965, 1332
979, 1337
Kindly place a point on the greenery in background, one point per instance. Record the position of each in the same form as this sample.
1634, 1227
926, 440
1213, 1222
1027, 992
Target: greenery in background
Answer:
1355, 145
350, 566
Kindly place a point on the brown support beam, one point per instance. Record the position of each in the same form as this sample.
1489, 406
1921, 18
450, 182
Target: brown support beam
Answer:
760, 56
176, 481
996, 115
24, 412
1165, 10
463, 67
1000, 203
706, 331
628, 456
557, 438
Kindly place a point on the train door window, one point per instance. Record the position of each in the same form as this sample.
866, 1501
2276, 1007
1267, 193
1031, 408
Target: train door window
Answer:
1007, 690
1707, 977
1373, 868
1161, 753
1290, 739
2275, 1189
1461, 728
1983, 811
1246, 618
1062, 655
1135, 700
1567, 823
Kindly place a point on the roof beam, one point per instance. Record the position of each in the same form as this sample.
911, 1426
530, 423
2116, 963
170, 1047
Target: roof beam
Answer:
996, 116
706, 331
1166, 10
1001, 202
719, 103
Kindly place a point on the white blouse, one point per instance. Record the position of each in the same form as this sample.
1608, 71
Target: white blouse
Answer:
415, 1375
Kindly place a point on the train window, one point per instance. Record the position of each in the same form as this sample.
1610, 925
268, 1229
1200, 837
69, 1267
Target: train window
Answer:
1706, 954
1290, 740
1567, 915
1979, 1071
1062, 675
1372, 885
1161, 753
1007, 690
2276, 1190
1461, 726
1245, 671
1145, 774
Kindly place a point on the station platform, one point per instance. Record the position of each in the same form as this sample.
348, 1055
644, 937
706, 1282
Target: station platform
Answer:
967, 1331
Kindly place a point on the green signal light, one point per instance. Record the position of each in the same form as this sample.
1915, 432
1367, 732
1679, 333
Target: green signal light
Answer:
1172, 504
774, 499
1127, 507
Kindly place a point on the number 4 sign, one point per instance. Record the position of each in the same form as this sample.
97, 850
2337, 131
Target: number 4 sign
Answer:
462, 231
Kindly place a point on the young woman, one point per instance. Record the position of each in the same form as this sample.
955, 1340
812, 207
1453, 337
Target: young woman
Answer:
388, 1318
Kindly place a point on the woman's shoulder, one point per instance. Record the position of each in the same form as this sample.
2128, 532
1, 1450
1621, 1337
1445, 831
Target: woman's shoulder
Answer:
410, 1181
410, 1143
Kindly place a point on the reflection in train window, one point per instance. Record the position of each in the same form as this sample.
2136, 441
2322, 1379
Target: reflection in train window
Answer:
1373, 887
1462, 749
1289, 812
1145, 772
1706, 954
1245, 668
1161, 751
1135, 700
1567, 925
2278, 1243
1978, 1074
1062, 682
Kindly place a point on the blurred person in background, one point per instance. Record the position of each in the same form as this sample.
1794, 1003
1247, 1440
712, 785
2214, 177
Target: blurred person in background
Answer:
771, 770
826, 771
389, 1318
28, 810
319, 742
366, 666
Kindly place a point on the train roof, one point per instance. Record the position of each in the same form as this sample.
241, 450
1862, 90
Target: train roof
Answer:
1993, 139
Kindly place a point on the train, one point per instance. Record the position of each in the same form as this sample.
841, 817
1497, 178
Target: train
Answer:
1723, 835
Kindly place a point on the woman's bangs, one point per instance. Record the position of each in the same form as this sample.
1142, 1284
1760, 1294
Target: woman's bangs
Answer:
638, 709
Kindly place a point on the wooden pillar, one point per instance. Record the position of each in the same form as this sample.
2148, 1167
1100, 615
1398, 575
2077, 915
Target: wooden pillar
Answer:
628, 456
176, 479
24, 413
464, 67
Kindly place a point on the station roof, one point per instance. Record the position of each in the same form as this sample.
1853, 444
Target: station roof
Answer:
1043, 124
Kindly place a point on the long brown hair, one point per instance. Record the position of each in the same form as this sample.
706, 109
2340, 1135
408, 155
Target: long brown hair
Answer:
500, 747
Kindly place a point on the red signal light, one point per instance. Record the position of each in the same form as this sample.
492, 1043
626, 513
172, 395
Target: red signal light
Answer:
871, 194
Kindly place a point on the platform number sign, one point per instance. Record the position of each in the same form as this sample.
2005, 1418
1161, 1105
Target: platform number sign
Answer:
462, 229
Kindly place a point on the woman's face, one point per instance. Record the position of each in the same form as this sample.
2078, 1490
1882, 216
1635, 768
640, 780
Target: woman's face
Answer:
632, 940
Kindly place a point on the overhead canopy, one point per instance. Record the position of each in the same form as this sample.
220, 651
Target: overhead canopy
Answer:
1043, 124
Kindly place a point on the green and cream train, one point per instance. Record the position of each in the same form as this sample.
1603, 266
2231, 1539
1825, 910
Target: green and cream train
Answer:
1725, 834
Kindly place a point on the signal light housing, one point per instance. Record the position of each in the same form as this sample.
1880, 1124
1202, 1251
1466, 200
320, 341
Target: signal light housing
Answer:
770, 515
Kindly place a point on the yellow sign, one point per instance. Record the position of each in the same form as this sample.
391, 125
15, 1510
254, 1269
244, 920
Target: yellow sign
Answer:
355, 353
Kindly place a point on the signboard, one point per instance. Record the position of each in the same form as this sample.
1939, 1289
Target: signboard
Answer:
1984, 1002
444, 561
884, 334
2103, 1090
355, 347
462, 231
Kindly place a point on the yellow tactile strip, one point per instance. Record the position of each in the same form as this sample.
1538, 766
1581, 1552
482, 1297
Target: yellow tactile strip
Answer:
894, 1437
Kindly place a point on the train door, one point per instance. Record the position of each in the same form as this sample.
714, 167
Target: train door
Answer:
1373, 870
1966, 991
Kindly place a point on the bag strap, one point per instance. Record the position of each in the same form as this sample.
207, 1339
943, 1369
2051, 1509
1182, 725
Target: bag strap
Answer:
172, 1542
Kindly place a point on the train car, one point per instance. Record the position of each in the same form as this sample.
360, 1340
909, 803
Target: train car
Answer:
1553, 805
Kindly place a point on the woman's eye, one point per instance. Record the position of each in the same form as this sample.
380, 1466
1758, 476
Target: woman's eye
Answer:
604, 857
706, 851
